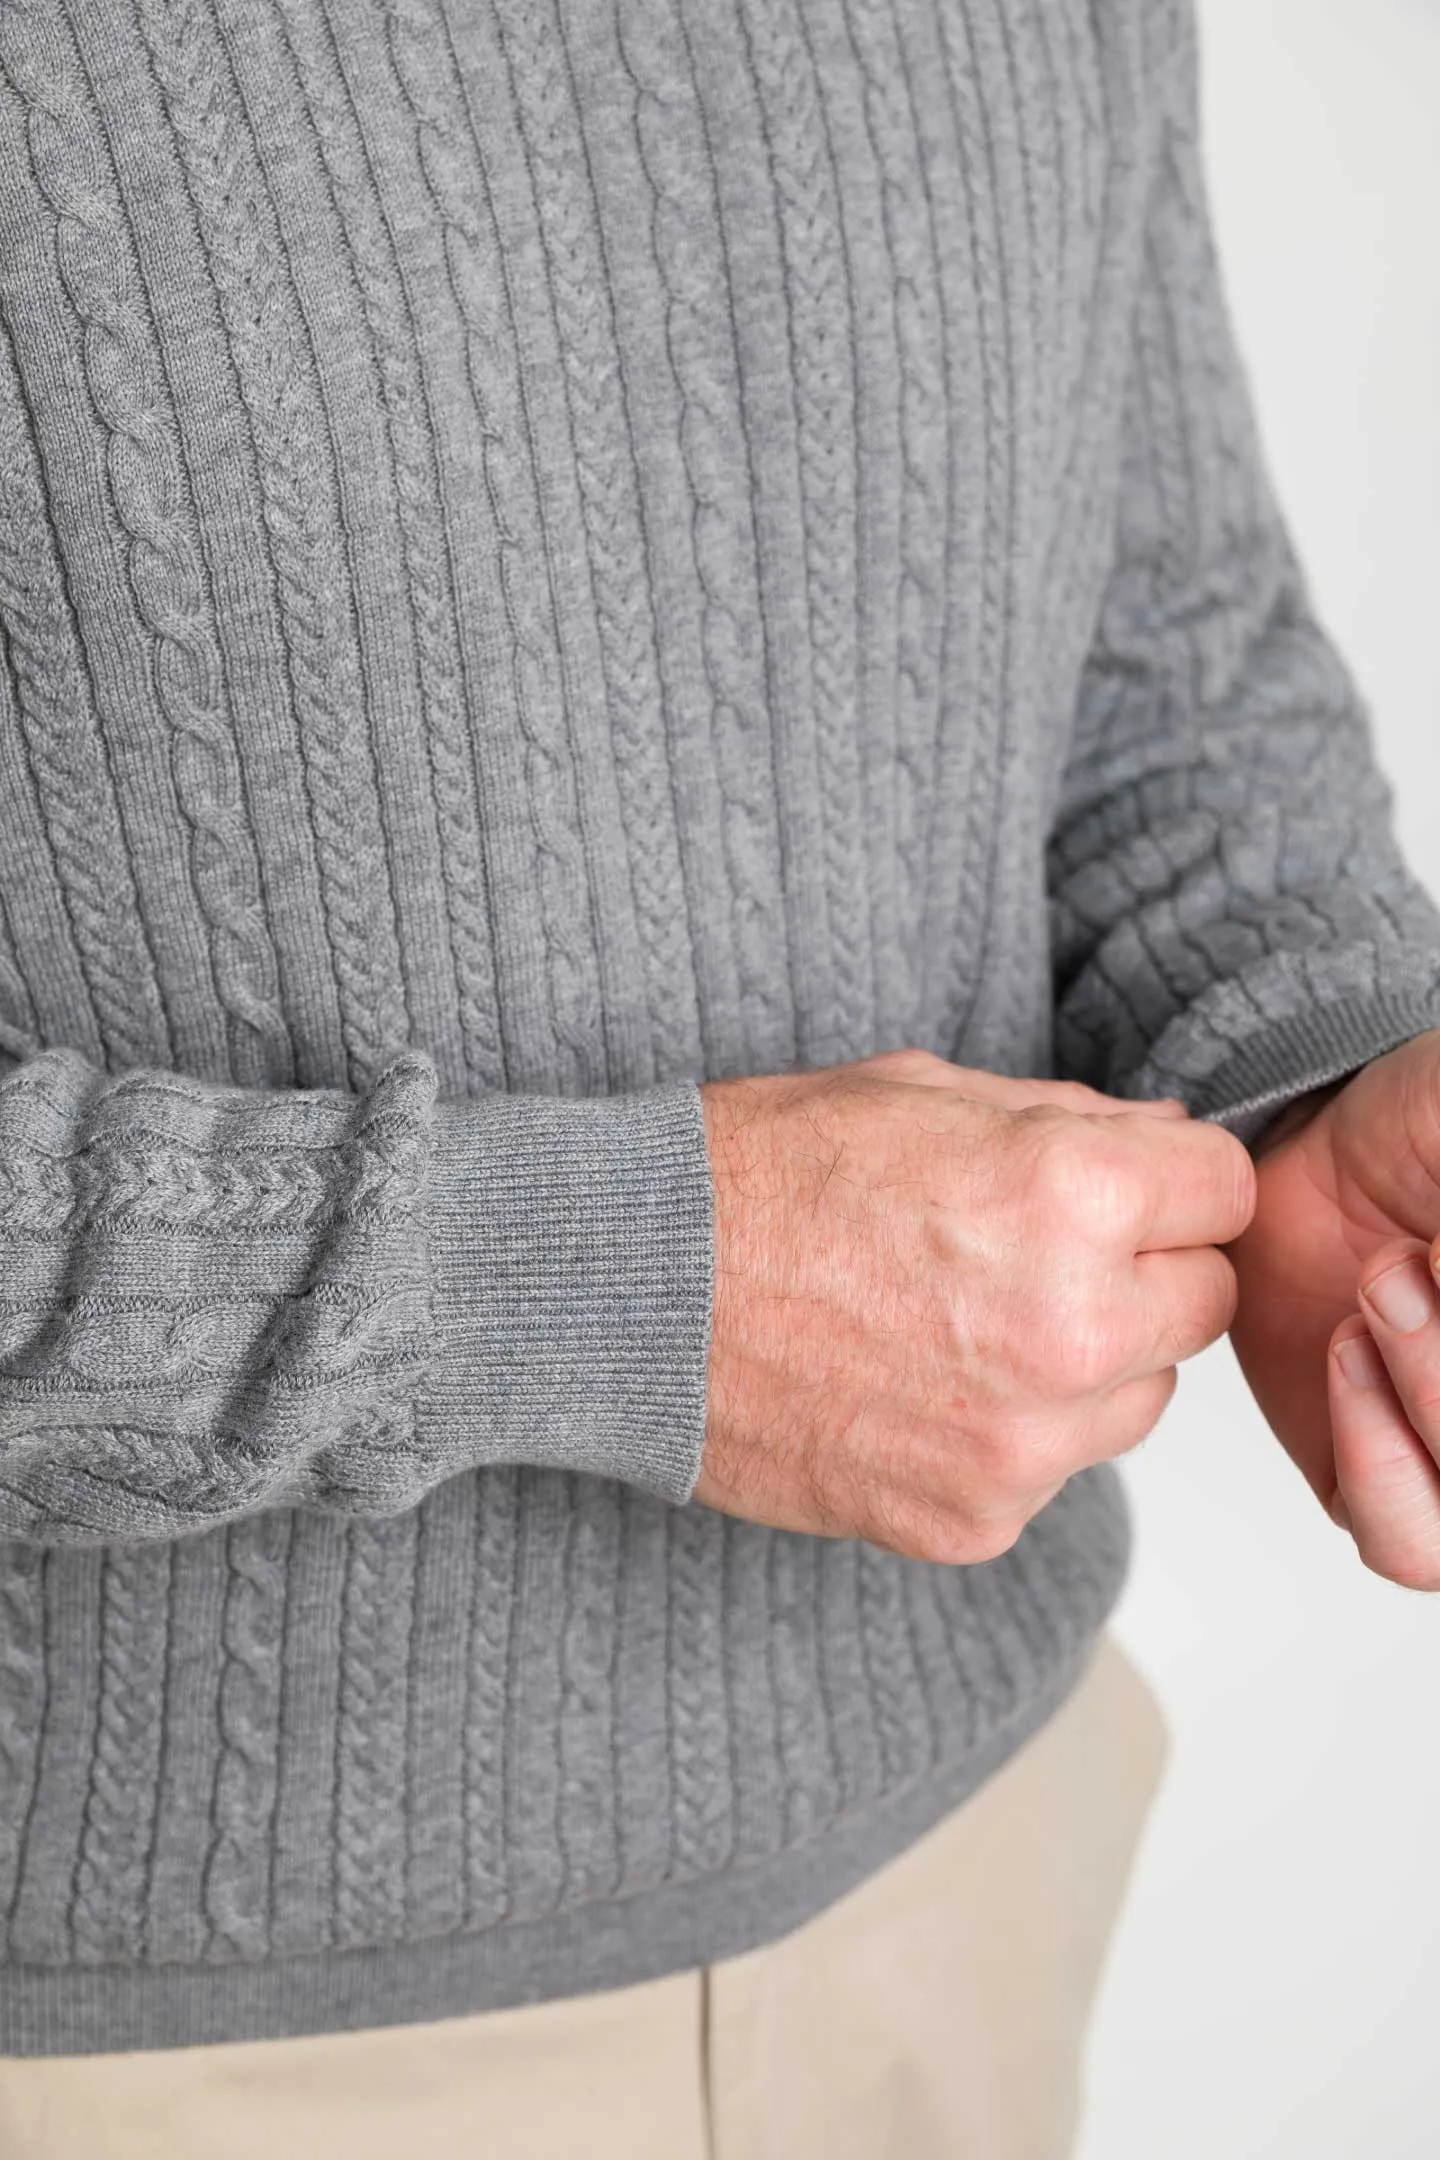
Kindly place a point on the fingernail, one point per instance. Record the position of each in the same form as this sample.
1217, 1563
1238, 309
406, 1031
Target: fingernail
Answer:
1340, 1513
1402, 1296
1360, 1361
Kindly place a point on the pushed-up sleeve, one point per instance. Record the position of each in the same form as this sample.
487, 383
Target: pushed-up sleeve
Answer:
215, 1299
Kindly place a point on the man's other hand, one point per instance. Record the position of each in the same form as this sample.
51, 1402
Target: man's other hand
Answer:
1338, 1323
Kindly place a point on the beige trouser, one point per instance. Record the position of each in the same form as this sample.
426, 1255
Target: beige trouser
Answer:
937, 2012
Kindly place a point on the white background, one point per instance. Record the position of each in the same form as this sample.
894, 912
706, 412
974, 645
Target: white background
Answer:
1274, 1989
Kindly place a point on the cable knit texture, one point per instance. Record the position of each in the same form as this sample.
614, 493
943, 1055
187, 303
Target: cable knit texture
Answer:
548, 553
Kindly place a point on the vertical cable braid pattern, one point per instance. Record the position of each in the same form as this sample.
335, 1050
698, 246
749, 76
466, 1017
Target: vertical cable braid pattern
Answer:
952, 1708
600, 430
589, 1789
237, 1870
806, 1743
701, 1814
491, 1619
452, 162
429, 582
1037, 156
1029, 183
958, 958
107, 1915
822, 357
1078, 1575
66, 754
22, 1711
890, 1664
1070, 204
435, 1702
712, 443
276, 377
1079, 533
19, 1029
1047, 1636
1025, 1618
925, 459
991, 1649
370, 1832
144, 470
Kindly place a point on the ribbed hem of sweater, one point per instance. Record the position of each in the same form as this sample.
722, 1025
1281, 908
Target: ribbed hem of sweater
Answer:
609, 1944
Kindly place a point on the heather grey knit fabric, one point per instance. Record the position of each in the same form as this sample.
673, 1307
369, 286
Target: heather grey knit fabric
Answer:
550, 551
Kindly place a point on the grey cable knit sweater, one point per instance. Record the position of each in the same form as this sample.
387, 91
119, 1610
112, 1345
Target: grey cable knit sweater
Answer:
550, 549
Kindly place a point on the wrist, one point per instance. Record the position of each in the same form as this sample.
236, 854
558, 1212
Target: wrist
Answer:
1295, 1115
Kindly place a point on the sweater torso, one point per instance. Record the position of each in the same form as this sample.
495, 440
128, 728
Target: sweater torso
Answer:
565, 537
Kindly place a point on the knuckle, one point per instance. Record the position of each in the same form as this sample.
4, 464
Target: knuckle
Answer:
1048, 1137
1077, 1347
916, 1531
1224, 1303
1080, 1099
999, 1536
1049, 1450
1111, 1195
1144, 1404
948, 1542
1072, 1095
1136, 1411
1197, 1311
907, 1063
1209, 1313
957, 1541
1154, 1401
1247, 1183
946, 1533
1084, 1181
892, 1521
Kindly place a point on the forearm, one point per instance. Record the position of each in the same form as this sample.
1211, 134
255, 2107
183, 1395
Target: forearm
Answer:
219, 1299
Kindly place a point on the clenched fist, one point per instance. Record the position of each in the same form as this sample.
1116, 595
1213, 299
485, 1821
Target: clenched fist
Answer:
939, 1292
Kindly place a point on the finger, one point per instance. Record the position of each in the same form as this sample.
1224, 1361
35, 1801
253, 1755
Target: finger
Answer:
1196, 1181
1388, 1487
1052, 1448
1180, 1303
1127, 1414
1402, 1311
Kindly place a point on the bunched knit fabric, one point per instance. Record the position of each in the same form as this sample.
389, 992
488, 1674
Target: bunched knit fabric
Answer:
549, 552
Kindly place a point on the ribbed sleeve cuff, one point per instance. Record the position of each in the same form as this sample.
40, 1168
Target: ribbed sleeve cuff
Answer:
572, 1261
1308, 1050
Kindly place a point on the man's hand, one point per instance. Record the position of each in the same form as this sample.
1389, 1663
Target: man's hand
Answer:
1345, 1199
939, 1292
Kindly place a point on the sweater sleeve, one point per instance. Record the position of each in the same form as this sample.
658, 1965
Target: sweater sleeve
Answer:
1232, 920
215, 1300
